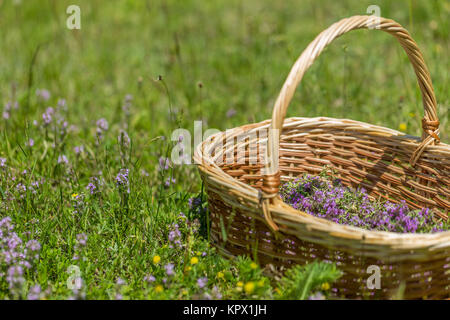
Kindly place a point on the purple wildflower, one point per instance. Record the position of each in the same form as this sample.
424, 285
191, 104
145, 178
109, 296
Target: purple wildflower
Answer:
47, 116
34, 293
43, 94
122, 181
91, 187
164, 163
102, 124
337, 203
82, 239
78, 149
149, 278
62, 159
169, 269
202, 282
102, 127
15, 278
169, 181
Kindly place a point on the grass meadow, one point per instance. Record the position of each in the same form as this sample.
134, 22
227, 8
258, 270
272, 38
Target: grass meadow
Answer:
90, 206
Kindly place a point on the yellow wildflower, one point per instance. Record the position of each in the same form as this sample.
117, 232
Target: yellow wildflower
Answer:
194, 260
325, 286
156, 259
220, 275
159, 288
74, 195
239, 284
402, 126
249, 287
253, 265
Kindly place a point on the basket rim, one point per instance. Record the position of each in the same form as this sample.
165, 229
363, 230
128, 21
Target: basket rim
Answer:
283, 213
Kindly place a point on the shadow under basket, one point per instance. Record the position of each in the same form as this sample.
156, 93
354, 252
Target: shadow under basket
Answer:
243, 168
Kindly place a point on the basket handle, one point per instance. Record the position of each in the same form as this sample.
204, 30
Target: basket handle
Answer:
430, 122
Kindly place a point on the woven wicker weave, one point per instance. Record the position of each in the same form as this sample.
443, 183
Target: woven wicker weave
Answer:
248, 216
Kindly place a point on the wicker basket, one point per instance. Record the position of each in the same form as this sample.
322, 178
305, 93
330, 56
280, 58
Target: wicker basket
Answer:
248, 216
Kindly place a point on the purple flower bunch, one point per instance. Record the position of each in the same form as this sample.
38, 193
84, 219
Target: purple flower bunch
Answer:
174, 236
3, 163
197, 205
164, 163
47, 116
78, 203
333, 201
95, 185
80, 244
102, 127
122, 181
15, 256
43, 94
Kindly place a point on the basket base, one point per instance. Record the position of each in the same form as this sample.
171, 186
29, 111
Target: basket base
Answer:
405, 280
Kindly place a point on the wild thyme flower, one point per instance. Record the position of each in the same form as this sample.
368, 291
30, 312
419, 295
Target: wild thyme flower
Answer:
82, 239
164, 163
102, 127
78, 203
174, 236
2, 163
122, 181
34, 293
119, 285
78, 150
202, 282
7, 109
47, 116
62, 159
169, 269
81, 243
15, 256
197, 205
149, 278
43, 94
335, 202
94, 185
30, 143
22, 190
91, 187
102, 124
169, 181
15, 279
